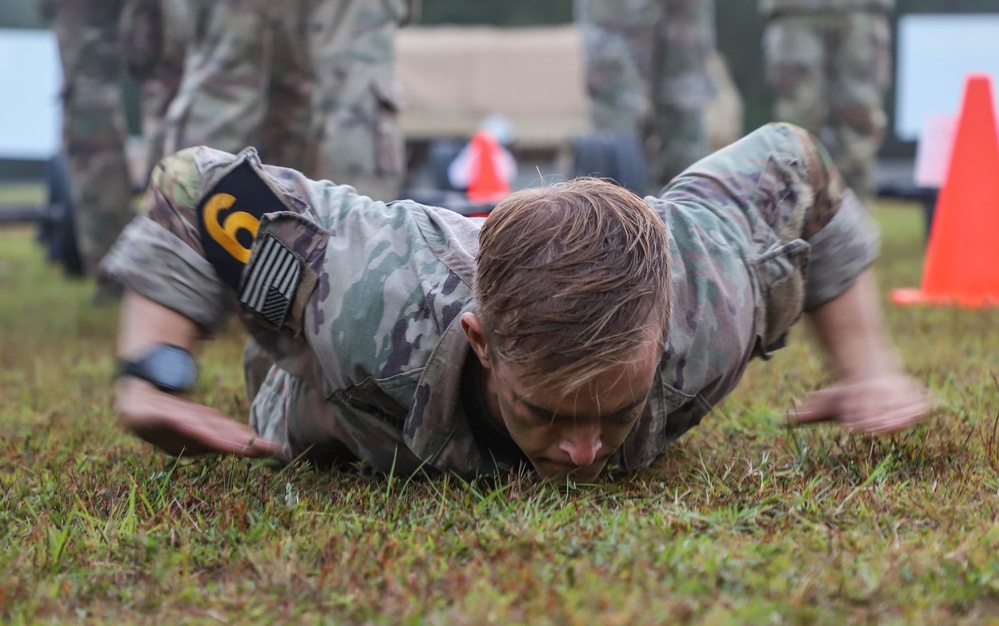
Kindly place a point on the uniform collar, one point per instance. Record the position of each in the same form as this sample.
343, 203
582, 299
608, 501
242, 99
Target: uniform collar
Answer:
437, 428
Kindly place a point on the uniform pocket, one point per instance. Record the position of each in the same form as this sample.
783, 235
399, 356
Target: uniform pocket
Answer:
283, 269
781, 274
778, 259
689, 413
388, 133
388, 400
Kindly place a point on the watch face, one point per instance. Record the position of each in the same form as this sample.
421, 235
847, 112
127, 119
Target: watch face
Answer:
172, 367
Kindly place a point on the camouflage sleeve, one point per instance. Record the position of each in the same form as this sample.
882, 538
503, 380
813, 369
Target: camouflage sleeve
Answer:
804, 236
204, 216
156, 263
843, 236
159, 255
841, 252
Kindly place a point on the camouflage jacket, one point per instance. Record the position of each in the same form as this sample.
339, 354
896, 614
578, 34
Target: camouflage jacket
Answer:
368, 314
771, 7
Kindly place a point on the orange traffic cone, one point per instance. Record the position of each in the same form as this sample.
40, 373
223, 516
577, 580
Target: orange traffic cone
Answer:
486, 182
962, 259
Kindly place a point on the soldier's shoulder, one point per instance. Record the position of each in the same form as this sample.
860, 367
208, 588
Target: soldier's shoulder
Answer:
197, 159
182, 176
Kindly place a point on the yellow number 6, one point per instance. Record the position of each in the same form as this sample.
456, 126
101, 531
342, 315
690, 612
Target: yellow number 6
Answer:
225, 232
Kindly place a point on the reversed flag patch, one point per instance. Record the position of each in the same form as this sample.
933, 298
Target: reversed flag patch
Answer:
271, 280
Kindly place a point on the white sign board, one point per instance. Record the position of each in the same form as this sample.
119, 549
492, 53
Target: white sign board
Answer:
30, 79
935, 54
936, 143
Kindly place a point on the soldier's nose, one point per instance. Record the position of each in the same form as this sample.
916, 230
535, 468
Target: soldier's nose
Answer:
582, 448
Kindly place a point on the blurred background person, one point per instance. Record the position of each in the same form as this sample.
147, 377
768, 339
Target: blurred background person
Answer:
829, 63
93, 126
246, 80
647, 75
154, 34
309, 83
355, 133
97, 40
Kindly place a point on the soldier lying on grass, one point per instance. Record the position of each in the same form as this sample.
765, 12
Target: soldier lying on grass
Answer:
578, 327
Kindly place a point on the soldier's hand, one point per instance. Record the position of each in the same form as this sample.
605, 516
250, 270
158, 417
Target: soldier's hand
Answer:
177, 426
879, 405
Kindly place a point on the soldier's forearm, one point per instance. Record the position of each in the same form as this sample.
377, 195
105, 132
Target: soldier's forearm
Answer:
145, 323
852, 333
172, 423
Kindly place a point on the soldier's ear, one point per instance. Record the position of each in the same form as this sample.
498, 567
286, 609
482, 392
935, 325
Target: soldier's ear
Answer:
472, 326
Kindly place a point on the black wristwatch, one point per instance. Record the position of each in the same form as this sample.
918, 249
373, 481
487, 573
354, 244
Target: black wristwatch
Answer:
170, 368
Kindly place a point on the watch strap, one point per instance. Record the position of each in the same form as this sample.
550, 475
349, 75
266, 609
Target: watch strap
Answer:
167, 367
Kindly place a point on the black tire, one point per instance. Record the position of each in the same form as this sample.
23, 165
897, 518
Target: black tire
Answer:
615, 156
929, 202
589, 157
631, 169
439, 157
57, 229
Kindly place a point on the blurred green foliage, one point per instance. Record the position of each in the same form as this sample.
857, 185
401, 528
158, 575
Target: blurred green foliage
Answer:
20, 14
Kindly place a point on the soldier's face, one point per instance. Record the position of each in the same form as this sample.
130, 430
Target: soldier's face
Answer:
574, 435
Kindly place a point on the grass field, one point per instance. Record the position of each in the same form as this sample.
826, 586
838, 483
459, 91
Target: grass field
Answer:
742, 522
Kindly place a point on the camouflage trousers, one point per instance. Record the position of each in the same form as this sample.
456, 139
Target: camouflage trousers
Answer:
97, 40
290, 410
310, 83
829, 72
647, 75
153, 35
93, 126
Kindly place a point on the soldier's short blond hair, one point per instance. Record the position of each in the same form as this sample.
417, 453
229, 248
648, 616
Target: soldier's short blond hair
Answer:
572, 277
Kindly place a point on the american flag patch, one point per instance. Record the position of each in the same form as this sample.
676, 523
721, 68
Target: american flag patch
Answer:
271, 280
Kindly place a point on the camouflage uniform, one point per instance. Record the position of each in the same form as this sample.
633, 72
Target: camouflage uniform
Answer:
309, 82
362, 322
93, 126
647, 75
355, 133
96, 39
829, 62
153, 35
